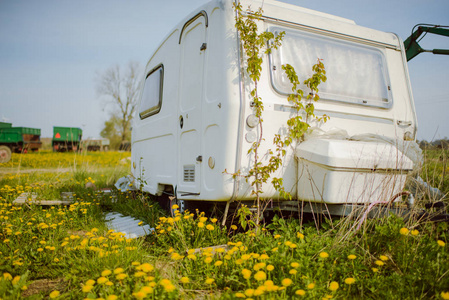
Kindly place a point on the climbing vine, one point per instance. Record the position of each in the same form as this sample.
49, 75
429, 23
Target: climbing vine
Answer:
255, 45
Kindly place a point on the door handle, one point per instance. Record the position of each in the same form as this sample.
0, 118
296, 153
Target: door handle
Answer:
404, 123
181, 121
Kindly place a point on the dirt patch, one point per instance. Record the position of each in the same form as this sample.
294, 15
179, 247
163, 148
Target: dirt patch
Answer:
44, 286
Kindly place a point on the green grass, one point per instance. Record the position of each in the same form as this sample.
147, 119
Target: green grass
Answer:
66, 252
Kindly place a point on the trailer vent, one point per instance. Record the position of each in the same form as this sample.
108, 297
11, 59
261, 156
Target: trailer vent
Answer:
189, 173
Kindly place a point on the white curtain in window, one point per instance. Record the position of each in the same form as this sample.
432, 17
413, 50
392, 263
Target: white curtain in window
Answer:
355, 73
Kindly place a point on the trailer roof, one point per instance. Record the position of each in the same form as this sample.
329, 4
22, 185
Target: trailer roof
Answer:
317, 21
307, 11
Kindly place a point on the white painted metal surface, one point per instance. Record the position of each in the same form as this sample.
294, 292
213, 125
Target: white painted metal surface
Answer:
200, 129
127, 225
345, 171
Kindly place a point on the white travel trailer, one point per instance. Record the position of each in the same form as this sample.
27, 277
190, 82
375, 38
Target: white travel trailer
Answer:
194, 123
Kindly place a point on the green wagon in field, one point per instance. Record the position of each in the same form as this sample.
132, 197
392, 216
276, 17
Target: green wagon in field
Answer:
66, 138
17, 139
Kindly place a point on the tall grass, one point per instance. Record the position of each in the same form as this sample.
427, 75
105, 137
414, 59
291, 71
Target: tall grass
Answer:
67, 252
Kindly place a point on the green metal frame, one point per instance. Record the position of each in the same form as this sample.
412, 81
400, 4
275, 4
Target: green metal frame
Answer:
412, 48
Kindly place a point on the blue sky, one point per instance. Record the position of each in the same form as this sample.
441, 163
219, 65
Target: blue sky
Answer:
52, 50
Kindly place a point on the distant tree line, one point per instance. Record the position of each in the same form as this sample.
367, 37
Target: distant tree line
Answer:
436, 144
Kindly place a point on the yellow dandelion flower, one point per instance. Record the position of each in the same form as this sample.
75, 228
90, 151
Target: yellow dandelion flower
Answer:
139, 295
191, 256
90, 282
414, 232
259, 291
445, 295
121, 276
208, 260
264, 257
270, 268
102, 280
352, 256
147, 289
185, 280
333, 286
441, 243
300, 235
286, 282
209, 280
176, 256
146, 267
349, 280
111, 297
218, 263
246, 273
240, 295
106, 273
383, 258
324, 254
300, 292
54, 294
294, 265
87, 288
233, 227
311, 286
375, 270
292, 272
139, 274
119, 270
260, 275
379, 262
404, 231
210, 227
200, 224
175, 206
268, 283
249, 292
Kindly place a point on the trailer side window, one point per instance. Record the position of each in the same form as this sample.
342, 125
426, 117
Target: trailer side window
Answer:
151, 101
355, 73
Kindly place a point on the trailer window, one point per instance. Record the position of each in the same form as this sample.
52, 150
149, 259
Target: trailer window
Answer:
355, 73
151, 101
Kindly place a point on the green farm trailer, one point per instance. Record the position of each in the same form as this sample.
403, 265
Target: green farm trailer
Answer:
17, 139
66, 139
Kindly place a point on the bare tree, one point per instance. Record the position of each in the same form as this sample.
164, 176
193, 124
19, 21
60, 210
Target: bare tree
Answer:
120, 87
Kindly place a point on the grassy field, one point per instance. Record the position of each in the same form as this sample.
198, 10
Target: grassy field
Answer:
67, 252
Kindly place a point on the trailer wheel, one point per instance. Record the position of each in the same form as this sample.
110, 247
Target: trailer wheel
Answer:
5, 154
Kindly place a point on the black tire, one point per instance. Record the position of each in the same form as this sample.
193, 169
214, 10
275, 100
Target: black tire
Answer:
5, 154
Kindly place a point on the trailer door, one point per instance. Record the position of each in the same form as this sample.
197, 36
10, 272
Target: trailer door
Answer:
192, 42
